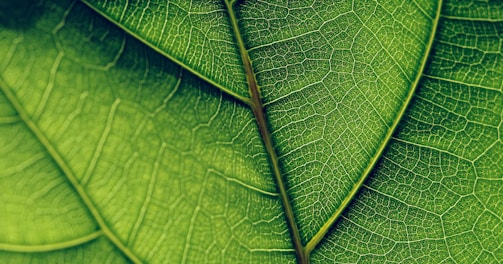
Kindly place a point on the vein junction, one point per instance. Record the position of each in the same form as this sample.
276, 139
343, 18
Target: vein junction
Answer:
258, 111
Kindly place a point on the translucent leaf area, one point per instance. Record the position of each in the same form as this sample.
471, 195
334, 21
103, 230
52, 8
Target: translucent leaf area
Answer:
130, 131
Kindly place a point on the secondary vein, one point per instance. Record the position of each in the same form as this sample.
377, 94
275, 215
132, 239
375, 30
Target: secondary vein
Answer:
179, 62
72, 179
51, 247
331, 221
258, 110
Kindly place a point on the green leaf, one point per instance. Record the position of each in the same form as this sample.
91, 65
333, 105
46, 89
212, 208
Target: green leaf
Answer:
224, 131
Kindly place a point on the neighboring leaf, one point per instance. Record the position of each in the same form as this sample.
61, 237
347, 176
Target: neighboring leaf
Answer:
109, 146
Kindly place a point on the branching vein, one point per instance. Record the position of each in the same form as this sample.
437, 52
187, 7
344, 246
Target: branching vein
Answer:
258, 111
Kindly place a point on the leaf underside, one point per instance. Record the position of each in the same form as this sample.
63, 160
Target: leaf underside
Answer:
126, 132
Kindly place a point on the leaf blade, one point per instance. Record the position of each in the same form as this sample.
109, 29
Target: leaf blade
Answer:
436, 201
335, 85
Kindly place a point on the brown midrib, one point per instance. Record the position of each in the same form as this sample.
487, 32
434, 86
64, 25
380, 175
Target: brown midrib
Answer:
261, 119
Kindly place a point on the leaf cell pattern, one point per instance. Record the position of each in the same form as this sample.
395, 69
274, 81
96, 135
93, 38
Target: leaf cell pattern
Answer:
130, 138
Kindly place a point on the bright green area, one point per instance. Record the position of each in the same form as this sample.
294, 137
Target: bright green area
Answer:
334, 81
114, 149
175, 169
96, 252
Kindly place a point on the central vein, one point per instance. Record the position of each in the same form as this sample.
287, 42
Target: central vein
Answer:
258, 111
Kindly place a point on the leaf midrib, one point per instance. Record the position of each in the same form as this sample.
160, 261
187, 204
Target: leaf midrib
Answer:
262, 123
303, 252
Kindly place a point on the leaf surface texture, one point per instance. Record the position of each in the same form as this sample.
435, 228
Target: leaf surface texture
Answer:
126, 129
